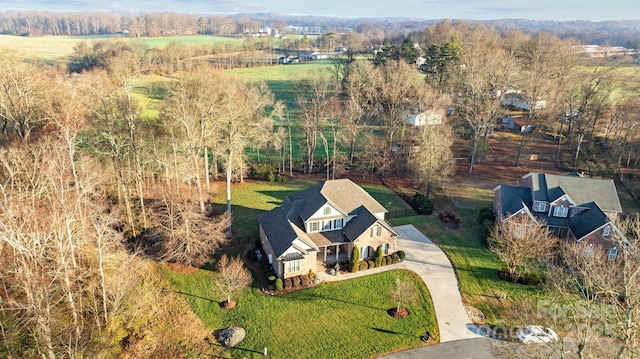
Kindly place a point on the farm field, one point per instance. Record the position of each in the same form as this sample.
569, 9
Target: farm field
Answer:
57, 47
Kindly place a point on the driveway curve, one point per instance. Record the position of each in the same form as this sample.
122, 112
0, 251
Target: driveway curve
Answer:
433, 266
426, 259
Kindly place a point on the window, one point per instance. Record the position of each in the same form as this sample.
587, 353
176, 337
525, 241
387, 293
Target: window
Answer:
376, 231
337, 223
560, 211
365, 252
293, 266
540, 207
270, 259
326, 225
385, 248
327, 210
613, 253
314, 227
606, 231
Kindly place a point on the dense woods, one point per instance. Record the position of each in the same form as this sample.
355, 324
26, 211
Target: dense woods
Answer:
101, 173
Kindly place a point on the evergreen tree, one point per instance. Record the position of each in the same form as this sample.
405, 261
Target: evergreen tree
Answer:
354, 260
379, 256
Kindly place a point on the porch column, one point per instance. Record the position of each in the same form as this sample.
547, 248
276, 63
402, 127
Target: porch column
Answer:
324, 249
337, 251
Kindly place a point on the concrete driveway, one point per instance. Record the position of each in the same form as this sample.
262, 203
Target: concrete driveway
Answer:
433, 266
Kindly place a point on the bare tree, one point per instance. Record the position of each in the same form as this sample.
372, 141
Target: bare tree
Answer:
520, 239
402, 291
187, 236
434, 163
233, 277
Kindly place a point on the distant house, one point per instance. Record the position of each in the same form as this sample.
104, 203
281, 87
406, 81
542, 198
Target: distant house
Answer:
318, 56
572, 206
516, 101
428, 117
516, 124
323, 224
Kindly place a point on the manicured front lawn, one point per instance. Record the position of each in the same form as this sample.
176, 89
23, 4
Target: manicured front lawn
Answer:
345, 319
475, 265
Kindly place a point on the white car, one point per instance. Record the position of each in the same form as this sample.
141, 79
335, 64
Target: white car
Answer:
536, 334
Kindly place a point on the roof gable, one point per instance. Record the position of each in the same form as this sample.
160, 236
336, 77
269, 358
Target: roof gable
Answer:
548, 188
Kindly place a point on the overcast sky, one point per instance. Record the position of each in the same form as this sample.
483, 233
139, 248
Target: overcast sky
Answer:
425, 9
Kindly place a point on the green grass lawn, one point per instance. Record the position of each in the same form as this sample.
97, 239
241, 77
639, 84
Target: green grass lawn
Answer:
253, 197
476, 267
345, 319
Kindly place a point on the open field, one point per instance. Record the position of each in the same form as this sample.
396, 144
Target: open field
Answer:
345, 319
57, 47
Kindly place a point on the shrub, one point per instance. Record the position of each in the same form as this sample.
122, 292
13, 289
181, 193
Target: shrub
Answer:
379, 256
311, 275
530, 279
271, 278
388, 260
282, 178
271, 177
296, 281
354, 260
371, 264
395, 258
401, 254
423, 204
287, 283
278, 285
305, 280
486, 214
364, 265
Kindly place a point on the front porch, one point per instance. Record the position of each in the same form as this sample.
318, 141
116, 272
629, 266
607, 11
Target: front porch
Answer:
334, 253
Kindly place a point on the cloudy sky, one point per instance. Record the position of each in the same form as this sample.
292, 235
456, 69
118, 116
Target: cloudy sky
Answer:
426, 9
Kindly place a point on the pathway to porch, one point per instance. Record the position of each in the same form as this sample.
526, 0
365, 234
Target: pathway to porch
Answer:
432, 265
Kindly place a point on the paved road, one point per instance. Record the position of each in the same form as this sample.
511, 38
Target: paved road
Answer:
478, 348
434, 267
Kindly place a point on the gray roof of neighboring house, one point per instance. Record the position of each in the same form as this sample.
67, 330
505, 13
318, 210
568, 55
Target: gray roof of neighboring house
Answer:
284, 224
514, 198
548, 188
587, 221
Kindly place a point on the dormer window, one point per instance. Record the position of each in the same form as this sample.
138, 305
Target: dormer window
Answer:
539, 207
613, 254
606, 231
560, 211
327, 210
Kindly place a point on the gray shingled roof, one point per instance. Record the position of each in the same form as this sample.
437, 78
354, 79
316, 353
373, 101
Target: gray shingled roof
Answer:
284, 224
581, 190
356, 226
277, 227
587, 221
514, 198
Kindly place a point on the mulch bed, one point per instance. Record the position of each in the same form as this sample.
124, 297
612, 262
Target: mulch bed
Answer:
397, 314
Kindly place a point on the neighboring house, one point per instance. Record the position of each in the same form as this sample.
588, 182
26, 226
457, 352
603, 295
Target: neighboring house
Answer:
428, 117
572, 206
318, 56
323, 223
516, 124
515, 100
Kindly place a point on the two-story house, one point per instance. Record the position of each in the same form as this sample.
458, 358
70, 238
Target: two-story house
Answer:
324, 223
571, 206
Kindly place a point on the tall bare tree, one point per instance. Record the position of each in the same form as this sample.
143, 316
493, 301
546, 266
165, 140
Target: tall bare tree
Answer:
233, 277
520, 239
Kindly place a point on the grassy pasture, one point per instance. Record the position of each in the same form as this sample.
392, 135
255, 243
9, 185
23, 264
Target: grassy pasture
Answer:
58, 47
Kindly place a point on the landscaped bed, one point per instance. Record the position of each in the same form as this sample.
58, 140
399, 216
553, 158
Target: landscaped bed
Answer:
344, 319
